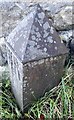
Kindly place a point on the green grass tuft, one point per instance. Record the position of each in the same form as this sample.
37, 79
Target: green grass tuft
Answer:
8, 107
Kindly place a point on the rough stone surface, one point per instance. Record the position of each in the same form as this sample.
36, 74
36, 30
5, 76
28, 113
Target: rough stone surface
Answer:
7, 5
10, 18
12, 12
63, 19
40, 76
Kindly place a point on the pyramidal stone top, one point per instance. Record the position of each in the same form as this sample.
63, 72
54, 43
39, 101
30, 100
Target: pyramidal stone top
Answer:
35, 38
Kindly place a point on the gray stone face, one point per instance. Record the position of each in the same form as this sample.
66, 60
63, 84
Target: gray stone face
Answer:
40, 76
6, 5
10, 17
63, 19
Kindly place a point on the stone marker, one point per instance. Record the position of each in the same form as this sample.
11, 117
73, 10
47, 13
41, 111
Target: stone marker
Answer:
36, 56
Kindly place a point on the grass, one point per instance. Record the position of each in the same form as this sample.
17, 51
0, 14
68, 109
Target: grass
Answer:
56, 104
8, 107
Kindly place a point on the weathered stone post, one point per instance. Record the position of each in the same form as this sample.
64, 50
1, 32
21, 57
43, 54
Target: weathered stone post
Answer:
36, 56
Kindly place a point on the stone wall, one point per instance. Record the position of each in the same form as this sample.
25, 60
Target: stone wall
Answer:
12, 13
